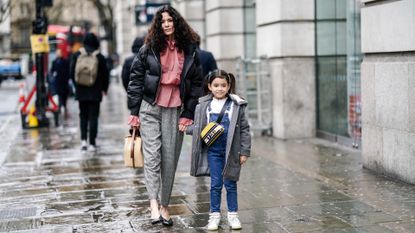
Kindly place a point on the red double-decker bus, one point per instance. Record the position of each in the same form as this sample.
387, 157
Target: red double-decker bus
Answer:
66, 38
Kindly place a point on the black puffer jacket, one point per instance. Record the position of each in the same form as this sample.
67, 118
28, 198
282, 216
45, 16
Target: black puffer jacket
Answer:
146, 74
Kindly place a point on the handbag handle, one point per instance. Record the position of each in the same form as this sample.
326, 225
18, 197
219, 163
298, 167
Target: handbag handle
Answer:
133, 136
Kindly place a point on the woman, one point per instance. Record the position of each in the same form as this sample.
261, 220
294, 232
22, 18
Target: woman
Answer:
165, 84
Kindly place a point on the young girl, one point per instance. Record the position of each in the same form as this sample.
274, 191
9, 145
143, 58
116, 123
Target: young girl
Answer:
221, 160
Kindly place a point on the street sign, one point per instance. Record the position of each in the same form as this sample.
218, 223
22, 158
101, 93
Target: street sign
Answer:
39, 43
144, 13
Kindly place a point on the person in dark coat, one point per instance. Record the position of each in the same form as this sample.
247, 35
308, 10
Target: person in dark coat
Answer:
60, 75
90, 97
125, 73
208, 62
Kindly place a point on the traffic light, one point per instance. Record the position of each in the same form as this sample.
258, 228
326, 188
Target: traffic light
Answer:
40, 25
46, 2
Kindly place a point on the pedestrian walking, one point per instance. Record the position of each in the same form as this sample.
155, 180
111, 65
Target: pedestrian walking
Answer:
125, 73
60, 75
90, 74
222, 160
165, 83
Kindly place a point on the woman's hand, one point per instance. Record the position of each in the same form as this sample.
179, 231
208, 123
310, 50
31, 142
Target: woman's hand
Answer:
243, 159
133, 121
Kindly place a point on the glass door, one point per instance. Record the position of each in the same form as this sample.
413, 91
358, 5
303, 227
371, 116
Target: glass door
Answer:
337, 68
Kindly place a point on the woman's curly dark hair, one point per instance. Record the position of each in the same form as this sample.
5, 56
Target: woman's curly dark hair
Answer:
183, 33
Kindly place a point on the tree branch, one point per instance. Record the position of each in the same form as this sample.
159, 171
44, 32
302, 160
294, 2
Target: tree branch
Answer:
4, 10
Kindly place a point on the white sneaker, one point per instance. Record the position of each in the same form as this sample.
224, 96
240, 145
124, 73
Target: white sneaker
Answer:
84, 145
233, 220
214, 219
92, 148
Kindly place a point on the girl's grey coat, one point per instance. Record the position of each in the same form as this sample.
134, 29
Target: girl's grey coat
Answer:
238, 139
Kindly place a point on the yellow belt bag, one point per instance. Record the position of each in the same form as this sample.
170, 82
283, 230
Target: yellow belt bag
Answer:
213, 129
211, 132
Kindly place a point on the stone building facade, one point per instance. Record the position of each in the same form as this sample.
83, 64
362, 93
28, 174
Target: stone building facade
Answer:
63, 12
342, 70
388, 84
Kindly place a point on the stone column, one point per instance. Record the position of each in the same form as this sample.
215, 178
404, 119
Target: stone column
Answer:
225, 31
194, 13
127, 30
122, 20
285, 34
388, 84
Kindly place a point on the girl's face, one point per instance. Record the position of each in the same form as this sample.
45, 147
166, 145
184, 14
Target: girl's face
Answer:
219, 88
167, 25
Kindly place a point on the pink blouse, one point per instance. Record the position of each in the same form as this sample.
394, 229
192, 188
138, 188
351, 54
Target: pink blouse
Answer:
169, 91
171, 67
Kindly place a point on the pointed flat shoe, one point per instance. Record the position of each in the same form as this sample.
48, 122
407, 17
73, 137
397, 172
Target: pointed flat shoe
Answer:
165, 222
155, 221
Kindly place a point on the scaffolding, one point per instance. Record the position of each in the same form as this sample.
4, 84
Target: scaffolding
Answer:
255, 85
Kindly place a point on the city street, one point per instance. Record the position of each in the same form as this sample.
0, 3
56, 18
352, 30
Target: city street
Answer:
48, 185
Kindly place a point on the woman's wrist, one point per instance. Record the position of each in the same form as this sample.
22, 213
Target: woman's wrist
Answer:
133, 121
185, 121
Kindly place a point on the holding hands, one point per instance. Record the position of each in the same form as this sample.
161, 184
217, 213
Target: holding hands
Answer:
183, 123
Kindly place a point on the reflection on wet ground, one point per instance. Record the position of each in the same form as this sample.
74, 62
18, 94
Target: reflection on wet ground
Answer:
48, 185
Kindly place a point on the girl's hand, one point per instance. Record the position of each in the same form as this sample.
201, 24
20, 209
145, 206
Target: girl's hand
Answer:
183, 123
182, 128
133, 121
243, 159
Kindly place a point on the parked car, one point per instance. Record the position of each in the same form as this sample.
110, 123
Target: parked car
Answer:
10, 69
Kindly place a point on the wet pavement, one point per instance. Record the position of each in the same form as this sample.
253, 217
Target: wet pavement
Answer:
9, 116
48, 185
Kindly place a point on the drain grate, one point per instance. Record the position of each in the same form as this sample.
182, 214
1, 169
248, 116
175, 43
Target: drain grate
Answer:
17, 213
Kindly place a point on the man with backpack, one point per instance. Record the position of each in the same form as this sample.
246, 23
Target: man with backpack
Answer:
90, 75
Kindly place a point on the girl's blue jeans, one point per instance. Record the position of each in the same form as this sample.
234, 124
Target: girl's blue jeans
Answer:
216, 165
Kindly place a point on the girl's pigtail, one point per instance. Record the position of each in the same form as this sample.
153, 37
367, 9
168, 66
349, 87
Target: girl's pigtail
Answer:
232, 82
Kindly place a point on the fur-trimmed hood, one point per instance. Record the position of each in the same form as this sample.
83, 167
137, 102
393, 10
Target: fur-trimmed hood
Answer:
235, 98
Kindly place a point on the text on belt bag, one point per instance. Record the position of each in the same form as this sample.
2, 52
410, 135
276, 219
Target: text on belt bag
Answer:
213, 129
133, 156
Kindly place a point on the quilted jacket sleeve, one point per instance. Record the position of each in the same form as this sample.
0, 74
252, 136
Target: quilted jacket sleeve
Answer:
136, 84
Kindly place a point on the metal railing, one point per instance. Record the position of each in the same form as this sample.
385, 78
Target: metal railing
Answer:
253, 82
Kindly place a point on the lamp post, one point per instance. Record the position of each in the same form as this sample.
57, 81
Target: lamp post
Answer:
40, 25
